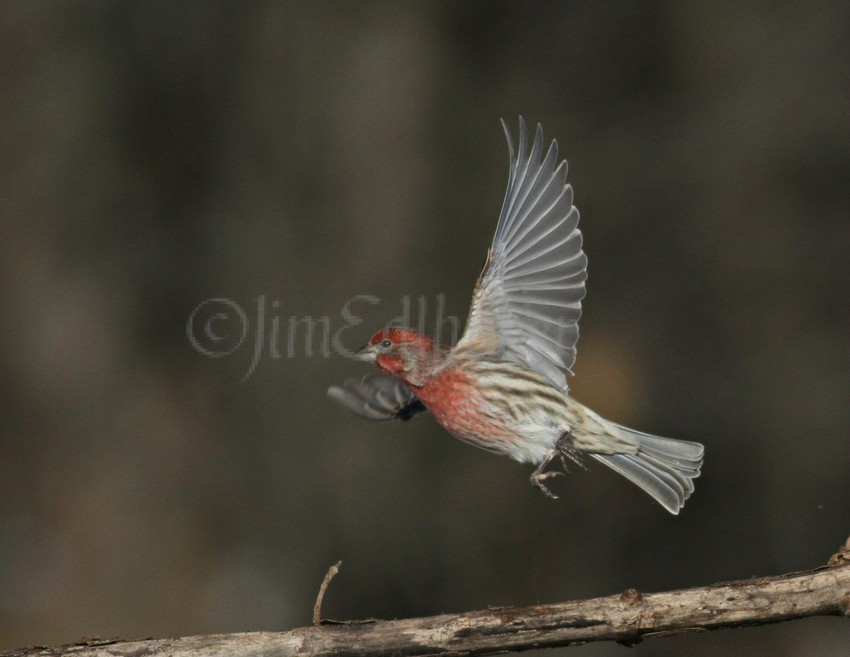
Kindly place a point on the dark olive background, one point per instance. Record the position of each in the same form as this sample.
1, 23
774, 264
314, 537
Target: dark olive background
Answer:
157, 155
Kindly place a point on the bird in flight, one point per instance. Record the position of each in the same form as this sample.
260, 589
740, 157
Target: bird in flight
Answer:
503, 387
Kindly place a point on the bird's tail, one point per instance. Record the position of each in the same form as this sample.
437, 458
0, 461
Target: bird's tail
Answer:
663, 467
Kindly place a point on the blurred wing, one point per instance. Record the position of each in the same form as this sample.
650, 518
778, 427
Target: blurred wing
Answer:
377, 396
527, 302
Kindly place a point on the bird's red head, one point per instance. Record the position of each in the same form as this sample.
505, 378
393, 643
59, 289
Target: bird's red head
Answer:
403, 352
399, 335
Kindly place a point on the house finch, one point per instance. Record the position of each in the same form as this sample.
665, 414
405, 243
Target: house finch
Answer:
503, 386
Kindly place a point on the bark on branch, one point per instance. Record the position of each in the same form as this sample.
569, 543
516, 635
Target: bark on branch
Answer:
628, 618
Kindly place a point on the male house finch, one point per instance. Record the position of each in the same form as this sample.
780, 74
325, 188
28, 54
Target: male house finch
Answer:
503, 387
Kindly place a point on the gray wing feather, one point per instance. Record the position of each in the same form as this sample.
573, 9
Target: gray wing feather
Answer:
377, 396
527, 302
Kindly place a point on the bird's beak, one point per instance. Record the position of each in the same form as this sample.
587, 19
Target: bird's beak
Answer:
366, 353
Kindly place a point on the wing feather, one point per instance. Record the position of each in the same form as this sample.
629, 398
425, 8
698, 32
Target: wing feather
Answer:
377, 396
527, 302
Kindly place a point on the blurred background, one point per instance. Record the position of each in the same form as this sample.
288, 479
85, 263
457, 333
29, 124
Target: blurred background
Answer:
336, 160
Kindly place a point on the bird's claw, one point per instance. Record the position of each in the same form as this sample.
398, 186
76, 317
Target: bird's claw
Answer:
567, 452
537, 479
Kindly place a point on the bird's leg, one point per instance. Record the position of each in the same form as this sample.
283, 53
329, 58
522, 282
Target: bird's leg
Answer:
566, 451
538, 476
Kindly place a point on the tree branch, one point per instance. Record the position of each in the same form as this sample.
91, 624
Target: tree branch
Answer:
627, 618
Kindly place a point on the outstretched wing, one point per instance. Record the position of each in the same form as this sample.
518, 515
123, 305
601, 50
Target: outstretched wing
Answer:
377, 396
527, 302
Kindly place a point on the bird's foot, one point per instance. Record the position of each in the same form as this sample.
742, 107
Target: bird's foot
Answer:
567, 452
538, 477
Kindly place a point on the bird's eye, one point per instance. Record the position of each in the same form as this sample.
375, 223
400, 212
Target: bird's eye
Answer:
386, 344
